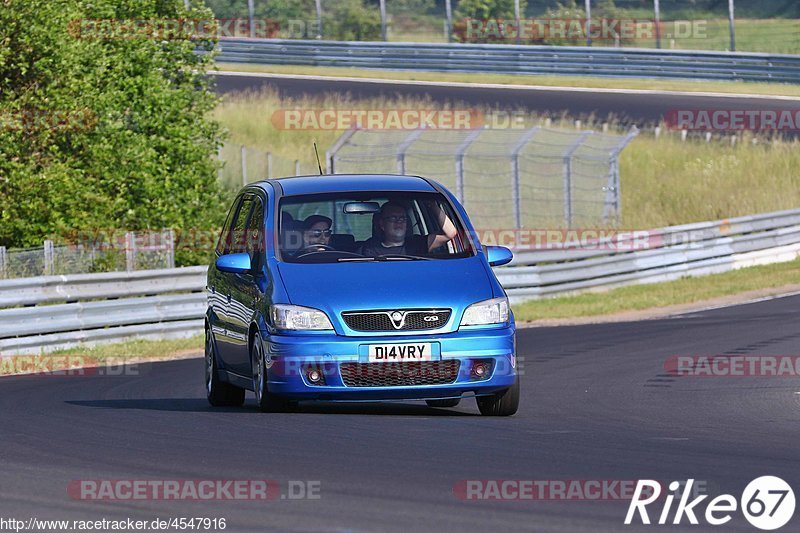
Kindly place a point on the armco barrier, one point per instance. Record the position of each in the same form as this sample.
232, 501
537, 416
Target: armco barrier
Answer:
61, 311
55, 312
516, 59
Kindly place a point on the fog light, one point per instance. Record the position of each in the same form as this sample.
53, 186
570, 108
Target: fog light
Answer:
315, 376
481, 369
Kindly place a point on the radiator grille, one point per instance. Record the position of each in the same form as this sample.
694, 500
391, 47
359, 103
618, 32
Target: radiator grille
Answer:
399, 374
396, 320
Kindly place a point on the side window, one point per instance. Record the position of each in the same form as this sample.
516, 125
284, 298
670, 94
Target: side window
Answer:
238, 236
255, 228
224, 234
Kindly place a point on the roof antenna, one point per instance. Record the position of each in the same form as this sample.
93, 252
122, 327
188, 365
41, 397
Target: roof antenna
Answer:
318, 162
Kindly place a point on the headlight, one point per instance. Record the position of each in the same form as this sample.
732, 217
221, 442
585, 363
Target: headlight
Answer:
299, 318
494, 311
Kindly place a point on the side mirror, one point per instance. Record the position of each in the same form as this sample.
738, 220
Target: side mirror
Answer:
234, 263
498, 255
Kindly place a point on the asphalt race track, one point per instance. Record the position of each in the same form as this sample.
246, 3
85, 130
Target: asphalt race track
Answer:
635, 107
596, 405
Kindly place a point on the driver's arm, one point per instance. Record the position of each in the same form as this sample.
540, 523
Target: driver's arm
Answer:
447, 232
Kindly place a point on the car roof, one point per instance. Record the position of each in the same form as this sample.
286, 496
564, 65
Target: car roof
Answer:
350, 182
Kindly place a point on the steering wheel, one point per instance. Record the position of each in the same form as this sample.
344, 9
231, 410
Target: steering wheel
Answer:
318, 248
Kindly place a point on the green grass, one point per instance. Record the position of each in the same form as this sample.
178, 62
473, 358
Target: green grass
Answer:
664, 181
137, 349
111, 354
655, 295
769, 89
773, 36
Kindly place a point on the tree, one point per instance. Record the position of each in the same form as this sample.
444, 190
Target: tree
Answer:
104, 125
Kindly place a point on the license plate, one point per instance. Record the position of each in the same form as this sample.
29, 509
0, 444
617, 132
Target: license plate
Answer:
389, 353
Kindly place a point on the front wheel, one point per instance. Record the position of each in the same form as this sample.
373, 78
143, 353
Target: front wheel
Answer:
266, 401
219, 393
503, 403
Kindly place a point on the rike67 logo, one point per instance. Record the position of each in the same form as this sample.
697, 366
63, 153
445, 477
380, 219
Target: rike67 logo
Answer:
767, 503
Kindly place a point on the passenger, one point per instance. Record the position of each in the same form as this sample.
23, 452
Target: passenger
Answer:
317, 232
393, 240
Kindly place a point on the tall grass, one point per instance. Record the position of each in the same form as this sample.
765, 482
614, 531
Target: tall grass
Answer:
664, 180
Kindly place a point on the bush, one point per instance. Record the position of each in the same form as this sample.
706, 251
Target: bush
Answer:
482, 10
342, 20
99, 131
351, 20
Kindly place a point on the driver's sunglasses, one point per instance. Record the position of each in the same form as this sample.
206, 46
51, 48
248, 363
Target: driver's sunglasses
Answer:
320, 232
394, 219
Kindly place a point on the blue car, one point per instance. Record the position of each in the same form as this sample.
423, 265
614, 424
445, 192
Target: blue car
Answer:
357, 288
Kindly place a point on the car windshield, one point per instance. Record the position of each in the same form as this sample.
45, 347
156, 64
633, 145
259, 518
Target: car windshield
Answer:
370, 226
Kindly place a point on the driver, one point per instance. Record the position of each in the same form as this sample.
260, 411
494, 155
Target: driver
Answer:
317, 232
393, 224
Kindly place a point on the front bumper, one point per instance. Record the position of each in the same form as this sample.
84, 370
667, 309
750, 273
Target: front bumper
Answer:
289, 358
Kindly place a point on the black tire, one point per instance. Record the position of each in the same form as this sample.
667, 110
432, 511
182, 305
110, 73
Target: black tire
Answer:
448, 402
266, 401
503, 403
219, 393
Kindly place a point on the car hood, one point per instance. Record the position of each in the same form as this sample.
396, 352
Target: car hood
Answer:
336, 287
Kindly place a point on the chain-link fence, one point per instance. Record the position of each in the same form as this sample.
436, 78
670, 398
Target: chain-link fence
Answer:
131, 251
537, 177
768, 26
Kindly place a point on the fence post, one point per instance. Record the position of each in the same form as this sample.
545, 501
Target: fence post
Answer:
318, 5
3, 262
383, 20
610, 202
568, 176
588, 22
296, 167
244, 165
170, 242
515, 195
732, 25
49, 267
612, 189
130, 251
460, 153
401, 150
251, 15
448, 23
657, 8
269, 165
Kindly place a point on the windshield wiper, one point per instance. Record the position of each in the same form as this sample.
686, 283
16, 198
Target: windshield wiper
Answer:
401, 257
386, 257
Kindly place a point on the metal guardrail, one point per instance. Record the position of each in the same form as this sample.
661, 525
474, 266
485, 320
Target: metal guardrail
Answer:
671, 253
516, 59
83, 287
163, 303
111, 306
